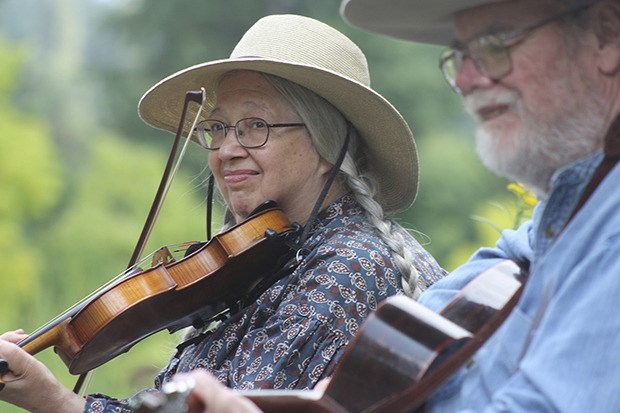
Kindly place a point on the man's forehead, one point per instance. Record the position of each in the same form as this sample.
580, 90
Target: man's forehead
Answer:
507, 15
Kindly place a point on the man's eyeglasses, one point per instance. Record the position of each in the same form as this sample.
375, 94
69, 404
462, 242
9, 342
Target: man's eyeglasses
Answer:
250, 132
490, 52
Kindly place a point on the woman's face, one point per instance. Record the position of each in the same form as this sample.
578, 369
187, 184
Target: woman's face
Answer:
287, 169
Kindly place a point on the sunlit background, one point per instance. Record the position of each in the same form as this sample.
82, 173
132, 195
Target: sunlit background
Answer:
78, 169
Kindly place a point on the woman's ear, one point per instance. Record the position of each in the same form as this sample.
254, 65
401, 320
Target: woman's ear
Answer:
605, 25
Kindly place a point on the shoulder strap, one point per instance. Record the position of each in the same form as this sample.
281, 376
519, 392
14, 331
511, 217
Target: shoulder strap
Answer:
612, 155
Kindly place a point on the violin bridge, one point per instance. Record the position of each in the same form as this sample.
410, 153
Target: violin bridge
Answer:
162, 256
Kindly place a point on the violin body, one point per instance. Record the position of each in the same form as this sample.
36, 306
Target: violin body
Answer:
167, 296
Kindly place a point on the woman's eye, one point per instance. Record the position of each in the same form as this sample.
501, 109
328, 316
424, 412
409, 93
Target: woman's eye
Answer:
258, 124
216, 127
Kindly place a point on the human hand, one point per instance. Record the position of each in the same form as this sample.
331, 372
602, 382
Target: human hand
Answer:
210, 396
322, 385
29, 384
14, 336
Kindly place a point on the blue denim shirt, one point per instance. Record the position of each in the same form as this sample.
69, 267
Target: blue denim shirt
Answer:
558, 350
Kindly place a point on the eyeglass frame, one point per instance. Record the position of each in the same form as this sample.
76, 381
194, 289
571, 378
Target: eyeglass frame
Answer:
498, 41
203, 141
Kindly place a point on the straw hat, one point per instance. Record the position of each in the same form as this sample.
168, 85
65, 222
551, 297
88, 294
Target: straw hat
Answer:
424, 21
323, 60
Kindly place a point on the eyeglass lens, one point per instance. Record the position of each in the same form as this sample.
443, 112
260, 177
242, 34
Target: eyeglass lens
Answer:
488, 53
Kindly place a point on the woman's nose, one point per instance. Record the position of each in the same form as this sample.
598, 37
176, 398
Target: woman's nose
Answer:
230, 146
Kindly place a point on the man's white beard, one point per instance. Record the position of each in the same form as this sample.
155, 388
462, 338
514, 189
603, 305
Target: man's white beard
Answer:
540, 147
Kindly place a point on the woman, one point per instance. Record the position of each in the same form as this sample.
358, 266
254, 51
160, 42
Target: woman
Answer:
290, 117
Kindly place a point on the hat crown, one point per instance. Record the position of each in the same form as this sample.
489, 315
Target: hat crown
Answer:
304, 41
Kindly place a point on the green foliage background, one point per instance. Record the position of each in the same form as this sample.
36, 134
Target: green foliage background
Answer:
78, 169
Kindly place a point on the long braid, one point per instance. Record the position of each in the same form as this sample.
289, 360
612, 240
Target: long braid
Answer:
403, 258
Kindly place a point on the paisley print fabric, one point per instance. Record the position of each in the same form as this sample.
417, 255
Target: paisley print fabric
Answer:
293, 335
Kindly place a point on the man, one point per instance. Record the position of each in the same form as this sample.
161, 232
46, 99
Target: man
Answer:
541, 78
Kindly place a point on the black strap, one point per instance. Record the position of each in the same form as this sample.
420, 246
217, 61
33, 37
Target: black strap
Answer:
209, 205
612, 155
317, 206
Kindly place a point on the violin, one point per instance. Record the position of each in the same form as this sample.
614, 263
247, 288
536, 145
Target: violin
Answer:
169, 295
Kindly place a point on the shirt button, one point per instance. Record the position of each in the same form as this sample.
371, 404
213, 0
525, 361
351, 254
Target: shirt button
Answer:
550, 232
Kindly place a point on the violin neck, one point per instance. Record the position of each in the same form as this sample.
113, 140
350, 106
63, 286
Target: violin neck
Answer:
48, 335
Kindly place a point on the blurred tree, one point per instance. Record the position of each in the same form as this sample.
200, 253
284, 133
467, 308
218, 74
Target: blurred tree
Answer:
453, 185
30, 184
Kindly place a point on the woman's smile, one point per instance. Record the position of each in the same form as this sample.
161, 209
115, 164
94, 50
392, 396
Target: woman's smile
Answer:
235, 176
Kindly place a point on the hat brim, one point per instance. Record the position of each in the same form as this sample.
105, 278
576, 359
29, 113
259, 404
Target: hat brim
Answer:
424, 21
389, 143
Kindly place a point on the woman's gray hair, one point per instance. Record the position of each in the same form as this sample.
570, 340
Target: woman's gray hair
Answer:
328, 129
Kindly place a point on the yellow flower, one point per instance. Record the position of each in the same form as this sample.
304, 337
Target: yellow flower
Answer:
516, 188
530, 199
526, 200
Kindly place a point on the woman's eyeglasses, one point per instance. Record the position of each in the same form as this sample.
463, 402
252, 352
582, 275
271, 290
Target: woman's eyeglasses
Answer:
250, 132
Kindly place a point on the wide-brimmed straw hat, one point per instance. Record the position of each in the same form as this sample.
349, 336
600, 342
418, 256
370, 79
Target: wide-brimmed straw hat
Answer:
424, 21
320, 58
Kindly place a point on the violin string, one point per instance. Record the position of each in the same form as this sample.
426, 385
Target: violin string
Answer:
129, 270
89, 380
75, 307
114, 281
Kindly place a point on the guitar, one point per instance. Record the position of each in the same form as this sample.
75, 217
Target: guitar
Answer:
401, 355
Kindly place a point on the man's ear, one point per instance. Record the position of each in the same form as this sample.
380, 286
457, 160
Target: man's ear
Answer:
605, 25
